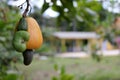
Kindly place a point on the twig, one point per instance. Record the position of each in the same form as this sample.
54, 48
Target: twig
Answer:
27, 9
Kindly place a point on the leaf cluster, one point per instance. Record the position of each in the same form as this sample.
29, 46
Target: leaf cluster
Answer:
79, 15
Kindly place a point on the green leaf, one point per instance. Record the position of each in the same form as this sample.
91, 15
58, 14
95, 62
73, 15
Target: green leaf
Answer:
54, 1
54, 78
44, 7
11, 77
56, 67
58, 8
67, 4
63, 71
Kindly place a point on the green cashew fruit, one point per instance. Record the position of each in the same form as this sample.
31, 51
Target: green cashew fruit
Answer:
19, 40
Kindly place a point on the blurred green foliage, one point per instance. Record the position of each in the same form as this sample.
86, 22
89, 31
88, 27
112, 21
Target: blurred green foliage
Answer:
79, 15
8, 17
62, 74
84, 16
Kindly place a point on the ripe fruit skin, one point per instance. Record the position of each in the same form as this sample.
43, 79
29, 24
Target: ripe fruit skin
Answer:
34, 30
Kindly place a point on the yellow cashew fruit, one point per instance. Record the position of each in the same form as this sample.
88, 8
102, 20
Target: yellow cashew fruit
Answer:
36, 38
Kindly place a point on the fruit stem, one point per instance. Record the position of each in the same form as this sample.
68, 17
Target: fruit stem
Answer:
27, 9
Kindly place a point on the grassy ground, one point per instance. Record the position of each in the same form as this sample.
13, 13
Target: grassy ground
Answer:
82, 68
